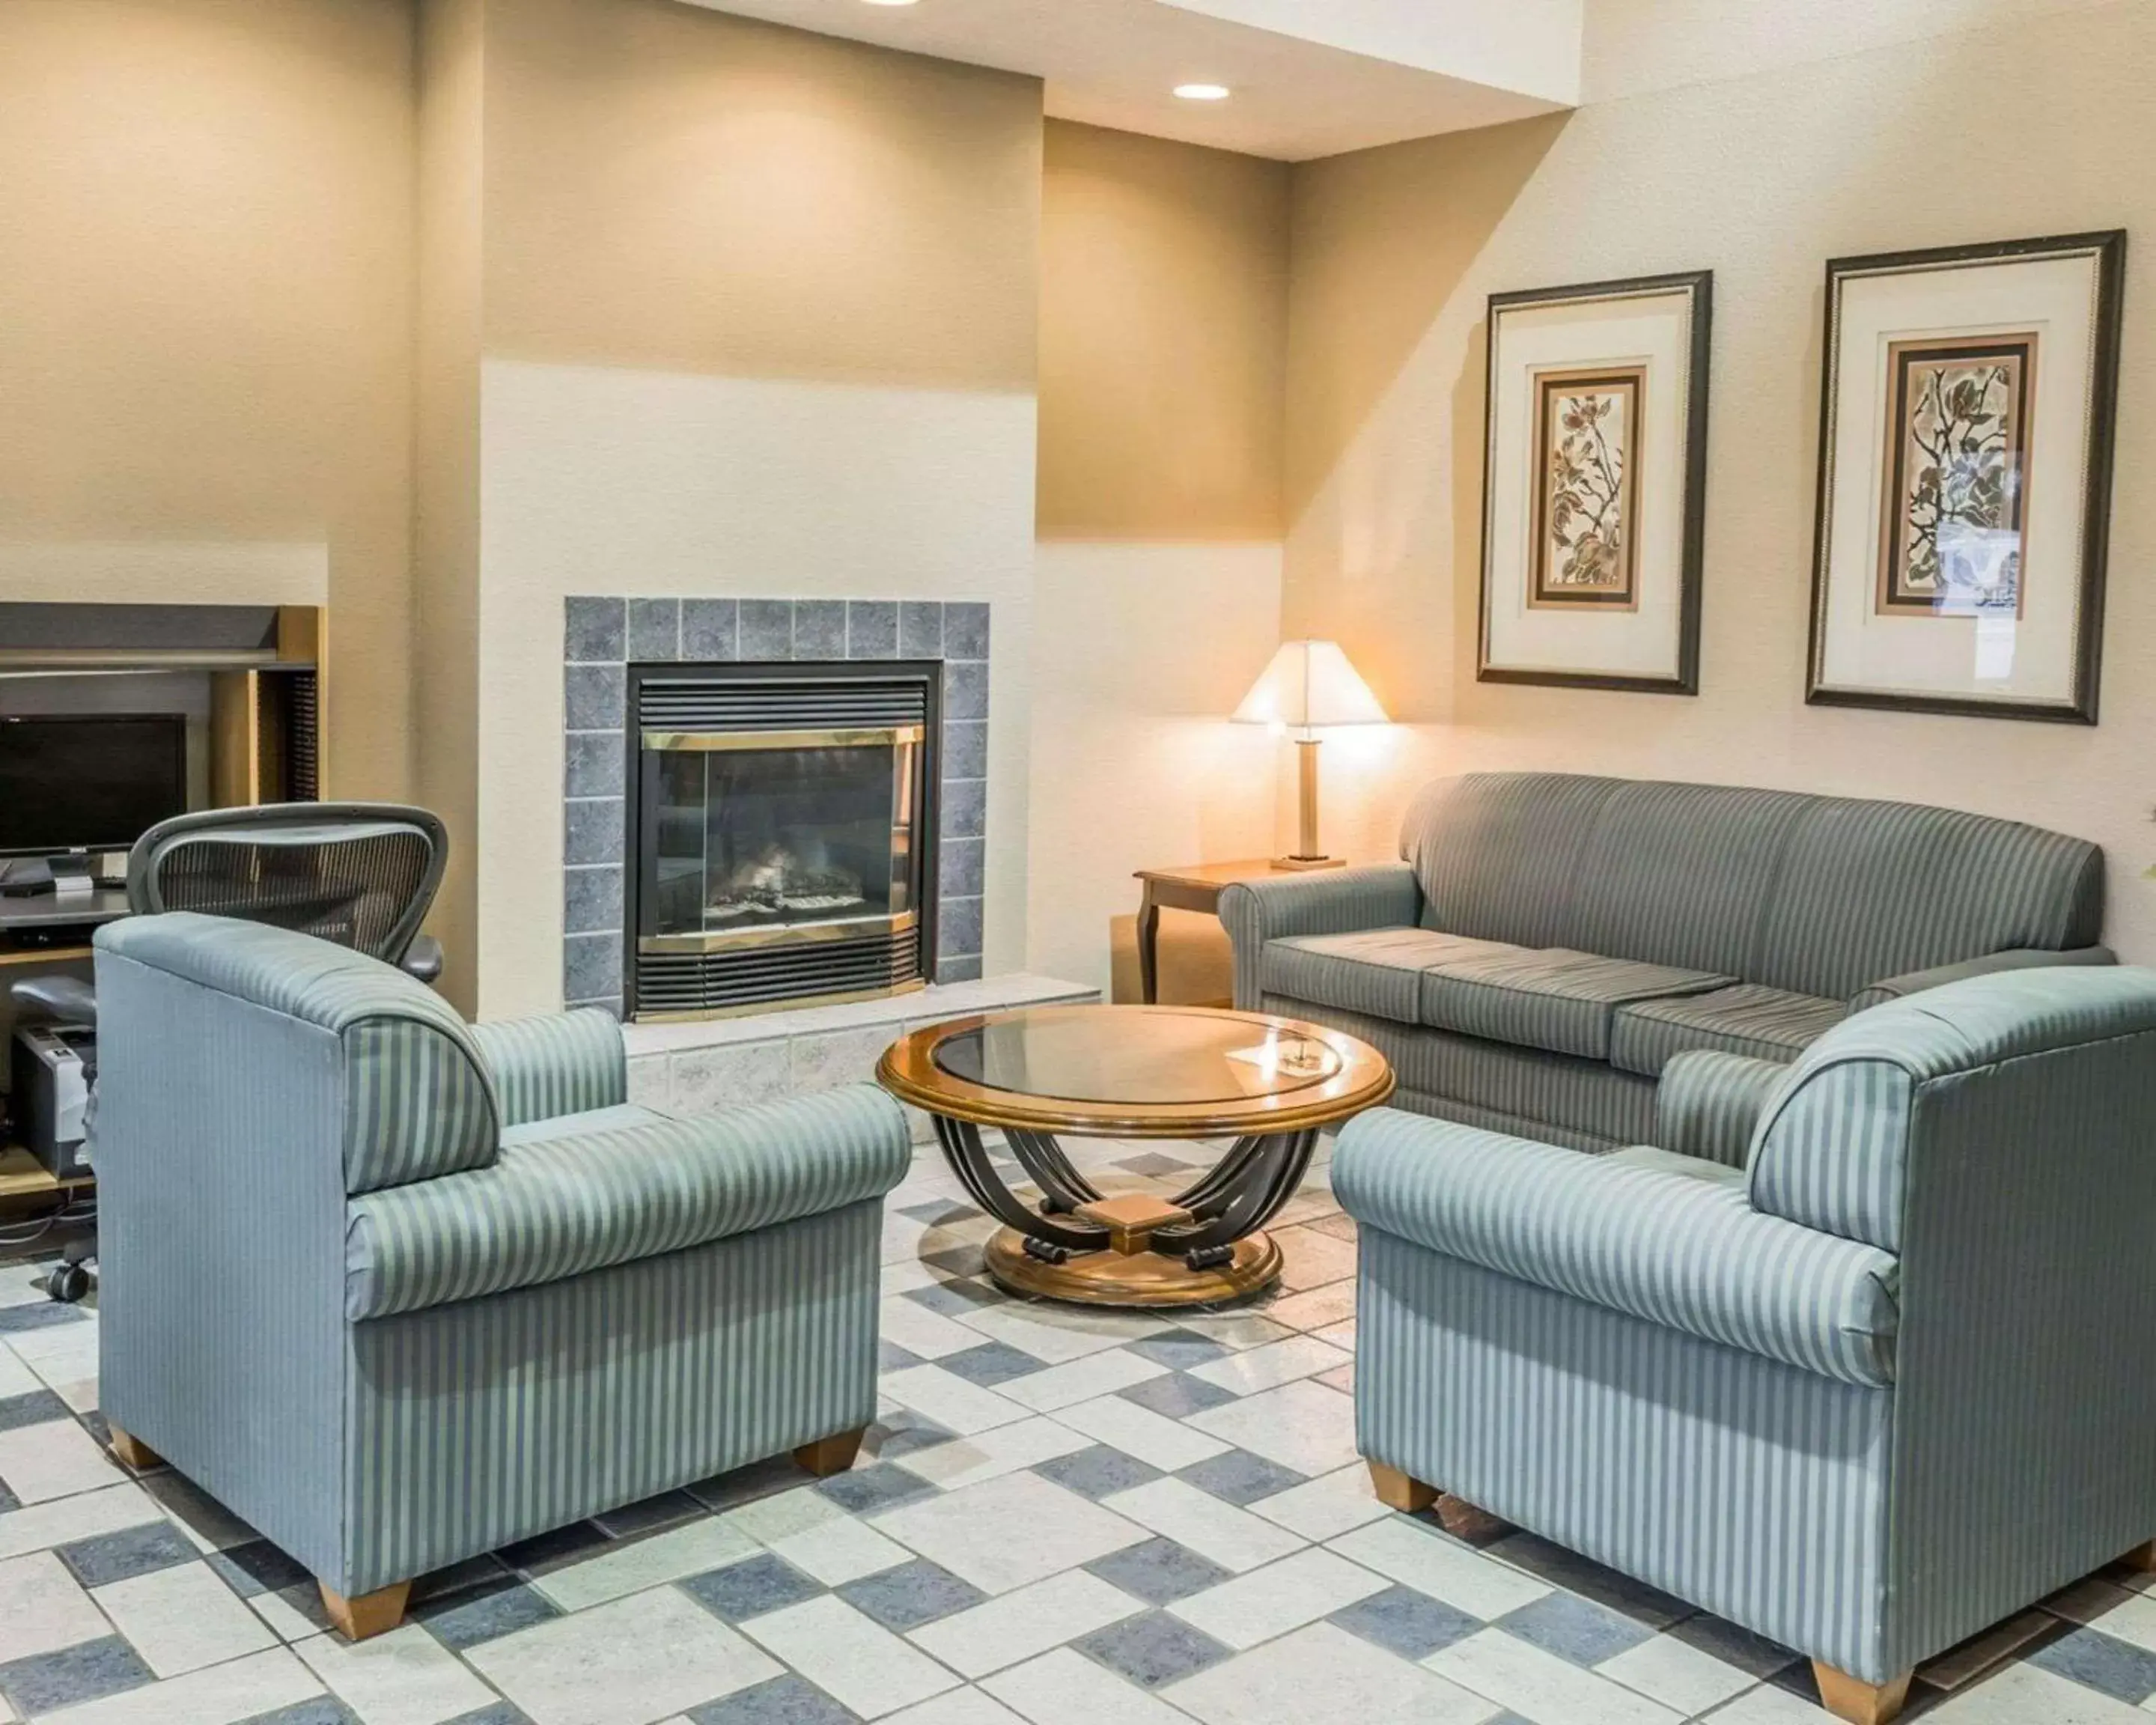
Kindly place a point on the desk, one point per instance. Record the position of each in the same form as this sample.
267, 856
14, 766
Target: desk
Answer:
43, 914
1196, 887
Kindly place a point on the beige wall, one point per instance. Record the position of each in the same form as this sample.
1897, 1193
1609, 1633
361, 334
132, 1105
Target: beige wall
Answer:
1761, 178
205, 323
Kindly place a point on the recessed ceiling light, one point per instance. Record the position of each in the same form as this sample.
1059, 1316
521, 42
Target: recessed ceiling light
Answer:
888, 3
1202, 92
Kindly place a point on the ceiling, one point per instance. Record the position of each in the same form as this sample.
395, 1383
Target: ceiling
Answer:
1310, 78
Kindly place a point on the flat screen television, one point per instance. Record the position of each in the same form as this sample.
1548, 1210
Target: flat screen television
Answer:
88, 781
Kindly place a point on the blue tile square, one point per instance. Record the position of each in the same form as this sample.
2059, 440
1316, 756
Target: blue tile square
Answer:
1151, 1650
322, 1710
500, 1713
545, 1551
1591, 1580
710, 630
1406, 1622
965, 812
257, 1567
955, 1297
1733, 1645
819, 628
911, 1594
891, 1358
1238, 1476
919, 629
44, 1315
751, 1587
939, 1210
1574, 1629
597, 630
965, 690
654, 630
966, 629
593, 831
967, 968
132, 1551
767, 628
962, 867
2097, 1661
591, 968
904, 1433
1179, 1350
591, 899
745, 1484
594, 696
1097, 1472
783, 1700
1159, 1571
965, 750
46, 1683
871, 1488
647, 1513
596, 764
991, 1364
872, 628
40, 1407
1179, 1396
464, 1620
959, 928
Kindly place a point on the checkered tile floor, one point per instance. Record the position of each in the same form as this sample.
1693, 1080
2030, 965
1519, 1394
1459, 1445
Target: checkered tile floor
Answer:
1065, 1518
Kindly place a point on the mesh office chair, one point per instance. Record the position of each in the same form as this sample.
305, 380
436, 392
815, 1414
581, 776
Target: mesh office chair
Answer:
361, 875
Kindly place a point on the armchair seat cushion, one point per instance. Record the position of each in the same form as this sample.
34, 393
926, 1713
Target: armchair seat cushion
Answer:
1748, 1018
557, 1205
1377, 970
1551, 997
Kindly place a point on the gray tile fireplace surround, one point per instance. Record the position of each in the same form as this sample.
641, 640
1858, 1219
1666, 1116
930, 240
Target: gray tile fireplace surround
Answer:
605, 634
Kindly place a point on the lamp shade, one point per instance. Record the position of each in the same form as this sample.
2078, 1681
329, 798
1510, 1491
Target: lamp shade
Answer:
1310, 683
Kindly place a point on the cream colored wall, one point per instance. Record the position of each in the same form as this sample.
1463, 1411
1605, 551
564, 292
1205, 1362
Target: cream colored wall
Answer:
1761, 178
205, 324
759, 319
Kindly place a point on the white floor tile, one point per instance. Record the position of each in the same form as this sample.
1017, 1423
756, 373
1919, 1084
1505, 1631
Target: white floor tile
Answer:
1067, 1688
42, 1611
1080, 1380
1235, 1329
1154, 1438
2129, 1616
182, 1619
80, 1396
959, 1706
1676, 1674
65, 1354
1432, 1565
2025, 1694
1540, 1686
68, 1519
405, 1677
766, 1519
635, 1660
1767, 1705
840, 1550
625, 1569
1029, 1621
904, 1278
851, 1657
1302, 1426
986, 1454
950, 1400
197, 1515
1312, 1259
1269, 1367
1283, 1596
16, 1378
261, 1683
1006, 1532
1324, 1674
1325, 1507
1319, 1311
286, 1621
926, 1334
1232, 1538
1054, 1334
56, 1459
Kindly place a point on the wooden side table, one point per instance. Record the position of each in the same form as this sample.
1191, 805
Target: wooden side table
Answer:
1197, 887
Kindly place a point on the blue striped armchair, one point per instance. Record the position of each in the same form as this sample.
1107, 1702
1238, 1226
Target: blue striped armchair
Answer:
398, 1289
1857, 1358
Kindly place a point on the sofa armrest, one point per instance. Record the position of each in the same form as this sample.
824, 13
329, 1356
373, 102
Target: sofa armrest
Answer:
1323, 901
1688, 1255
1710, 1103
560, 1207
1896, 988
555, 1064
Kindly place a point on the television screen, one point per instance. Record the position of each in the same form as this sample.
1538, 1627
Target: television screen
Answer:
88, 782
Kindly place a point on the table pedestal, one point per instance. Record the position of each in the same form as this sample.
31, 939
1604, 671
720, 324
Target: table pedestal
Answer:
1113, 1278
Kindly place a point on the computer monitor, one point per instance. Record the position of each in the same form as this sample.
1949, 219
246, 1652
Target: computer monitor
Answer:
88, 781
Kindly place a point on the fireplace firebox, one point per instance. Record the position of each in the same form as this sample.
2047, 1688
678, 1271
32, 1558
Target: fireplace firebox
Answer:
781, 829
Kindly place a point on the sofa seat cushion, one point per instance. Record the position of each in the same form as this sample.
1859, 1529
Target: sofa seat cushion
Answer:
1377, 970
1551, 998
1768, 1024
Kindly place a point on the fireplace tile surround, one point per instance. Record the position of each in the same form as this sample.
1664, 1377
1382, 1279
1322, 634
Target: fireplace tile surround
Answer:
605, 634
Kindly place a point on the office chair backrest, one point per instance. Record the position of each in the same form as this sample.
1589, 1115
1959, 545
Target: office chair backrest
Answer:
362, 875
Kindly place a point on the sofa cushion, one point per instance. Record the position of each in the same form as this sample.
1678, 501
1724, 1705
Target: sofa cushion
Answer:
1554, 999
1768, 1024
1377, 970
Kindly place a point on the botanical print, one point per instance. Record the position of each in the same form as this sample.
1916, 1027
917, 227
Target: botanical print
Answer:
1586, 437
1957, 475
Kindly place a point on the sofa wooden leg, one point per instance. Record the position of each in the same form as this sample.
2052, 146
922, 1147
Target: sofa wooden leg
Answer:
374, 1614
133, 1452
2142, 1557
832, 1455
1857, 1701
1398, 1491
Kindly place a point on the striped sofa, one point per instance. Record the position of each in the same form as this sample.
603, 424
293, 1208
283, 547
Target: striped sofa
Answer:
1864, 1371
398, 1289
1551, 941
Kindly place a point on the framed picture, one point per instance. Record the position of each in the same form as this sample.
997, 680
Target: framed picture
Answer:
1964, 486
1594, 484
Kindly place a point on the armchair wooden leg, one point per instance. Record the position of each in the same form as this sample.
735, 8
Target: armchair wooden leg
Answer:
374, 1614
1398, 1491
832, 1455
1857, 1701
2142, 1557
133, 1452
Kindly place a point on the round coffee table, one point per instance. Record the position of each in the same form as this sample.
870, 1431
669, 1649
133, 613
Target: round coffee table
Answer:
1134, 1072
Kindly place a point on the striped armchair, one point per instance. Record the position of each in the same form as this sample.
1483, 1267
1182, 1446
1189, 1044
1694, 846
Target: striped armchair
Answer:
1855, 1358
398, 1289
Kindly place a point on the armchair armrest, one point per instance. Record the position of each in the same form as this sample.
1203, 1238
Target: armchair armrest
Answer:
554, 1064
1896, 988
1326, 901
1685, 1254
561, 1207
1710, 1103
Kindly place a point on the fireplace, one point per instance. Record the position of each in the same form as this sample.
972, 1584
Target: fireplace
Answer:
782, 834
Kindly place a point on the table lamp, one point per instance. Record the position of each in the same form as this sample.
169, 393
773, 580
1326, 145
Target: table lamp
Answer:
1309, 685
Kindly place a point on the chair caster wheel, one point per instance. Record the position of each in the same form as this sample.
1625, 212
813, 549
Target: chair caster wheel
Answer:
66, 1283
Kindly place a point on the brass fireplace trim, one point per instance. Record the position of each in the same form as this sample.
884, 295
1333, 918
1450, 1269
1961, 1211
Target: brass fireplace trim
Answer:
752, 1008
887, 737
783, 934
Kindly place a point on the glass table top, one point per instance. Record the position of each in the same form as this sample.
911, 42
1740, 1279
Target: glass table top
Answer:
1137, 1056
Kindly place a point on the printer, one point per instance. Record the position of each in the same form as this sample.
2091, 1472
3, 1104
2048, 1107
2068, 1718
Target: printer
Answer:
48, 1079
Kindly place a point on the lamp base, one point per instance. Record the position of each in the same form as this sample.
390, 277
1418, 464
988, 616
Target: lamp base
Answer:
1300, 863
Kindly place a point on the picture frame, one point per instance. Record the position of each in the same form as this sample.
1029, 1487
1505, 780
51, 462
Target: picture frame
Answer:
1595, 484
1968, 405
